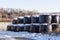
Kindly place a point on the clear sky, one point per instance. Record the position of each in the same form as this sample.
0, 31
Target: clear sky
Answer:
40, 5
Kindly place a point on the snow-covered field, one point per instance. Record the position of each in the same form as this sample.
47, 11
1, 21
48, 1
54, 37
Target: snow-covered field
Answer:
8, 35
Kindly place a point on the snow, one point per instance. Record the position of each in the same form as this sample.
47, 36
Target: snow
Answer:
35, 36
35, 15
14, 18
28, 24
20, 25
21, 17
27, 16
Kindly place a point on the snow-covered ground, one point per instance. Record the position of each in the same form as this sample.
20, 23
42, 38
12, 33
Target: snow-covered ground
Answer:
8, 35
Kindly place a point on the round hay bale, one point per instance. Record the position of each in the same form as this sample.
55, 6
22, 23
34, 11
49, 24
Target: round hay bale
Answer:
35, 19
20, 19
27, 27
27, 19
35, 27
21, 27
44, 28
15, 21
54, 19
45, 19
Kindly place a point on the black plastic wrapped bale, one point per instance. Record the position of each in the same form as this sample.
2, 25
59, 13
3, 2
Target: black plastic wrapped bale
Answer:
59, 19
43, 28
13, 28
45, 19
35, 28
27, 19
21, 27
55, 19
27, 27
9, 27
35, 19
20, 19
54, 27
15, 21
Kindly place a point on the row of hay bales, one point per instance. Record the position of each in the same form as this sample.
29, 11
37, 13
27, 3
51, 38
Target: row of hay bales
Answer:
37, 19
34, 27
40, 23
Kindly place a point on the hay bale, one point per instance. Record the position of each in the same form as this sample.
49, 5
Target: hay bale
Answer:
35, 27
27, 27
27, 19
20, 19
45, 19
35, 19
44, 28
54, 19
15, 21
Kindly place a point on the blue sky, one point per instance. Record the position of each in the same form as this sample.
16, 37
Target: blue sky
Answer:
39, 5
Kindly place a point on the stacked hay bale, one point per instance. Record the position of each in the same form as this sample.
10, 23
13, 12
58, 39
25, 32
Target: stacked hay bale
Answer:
35, 18
27, 19
35, 27
27, 27
15, 21
55, 23
35, 23
44, 21
20, 19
